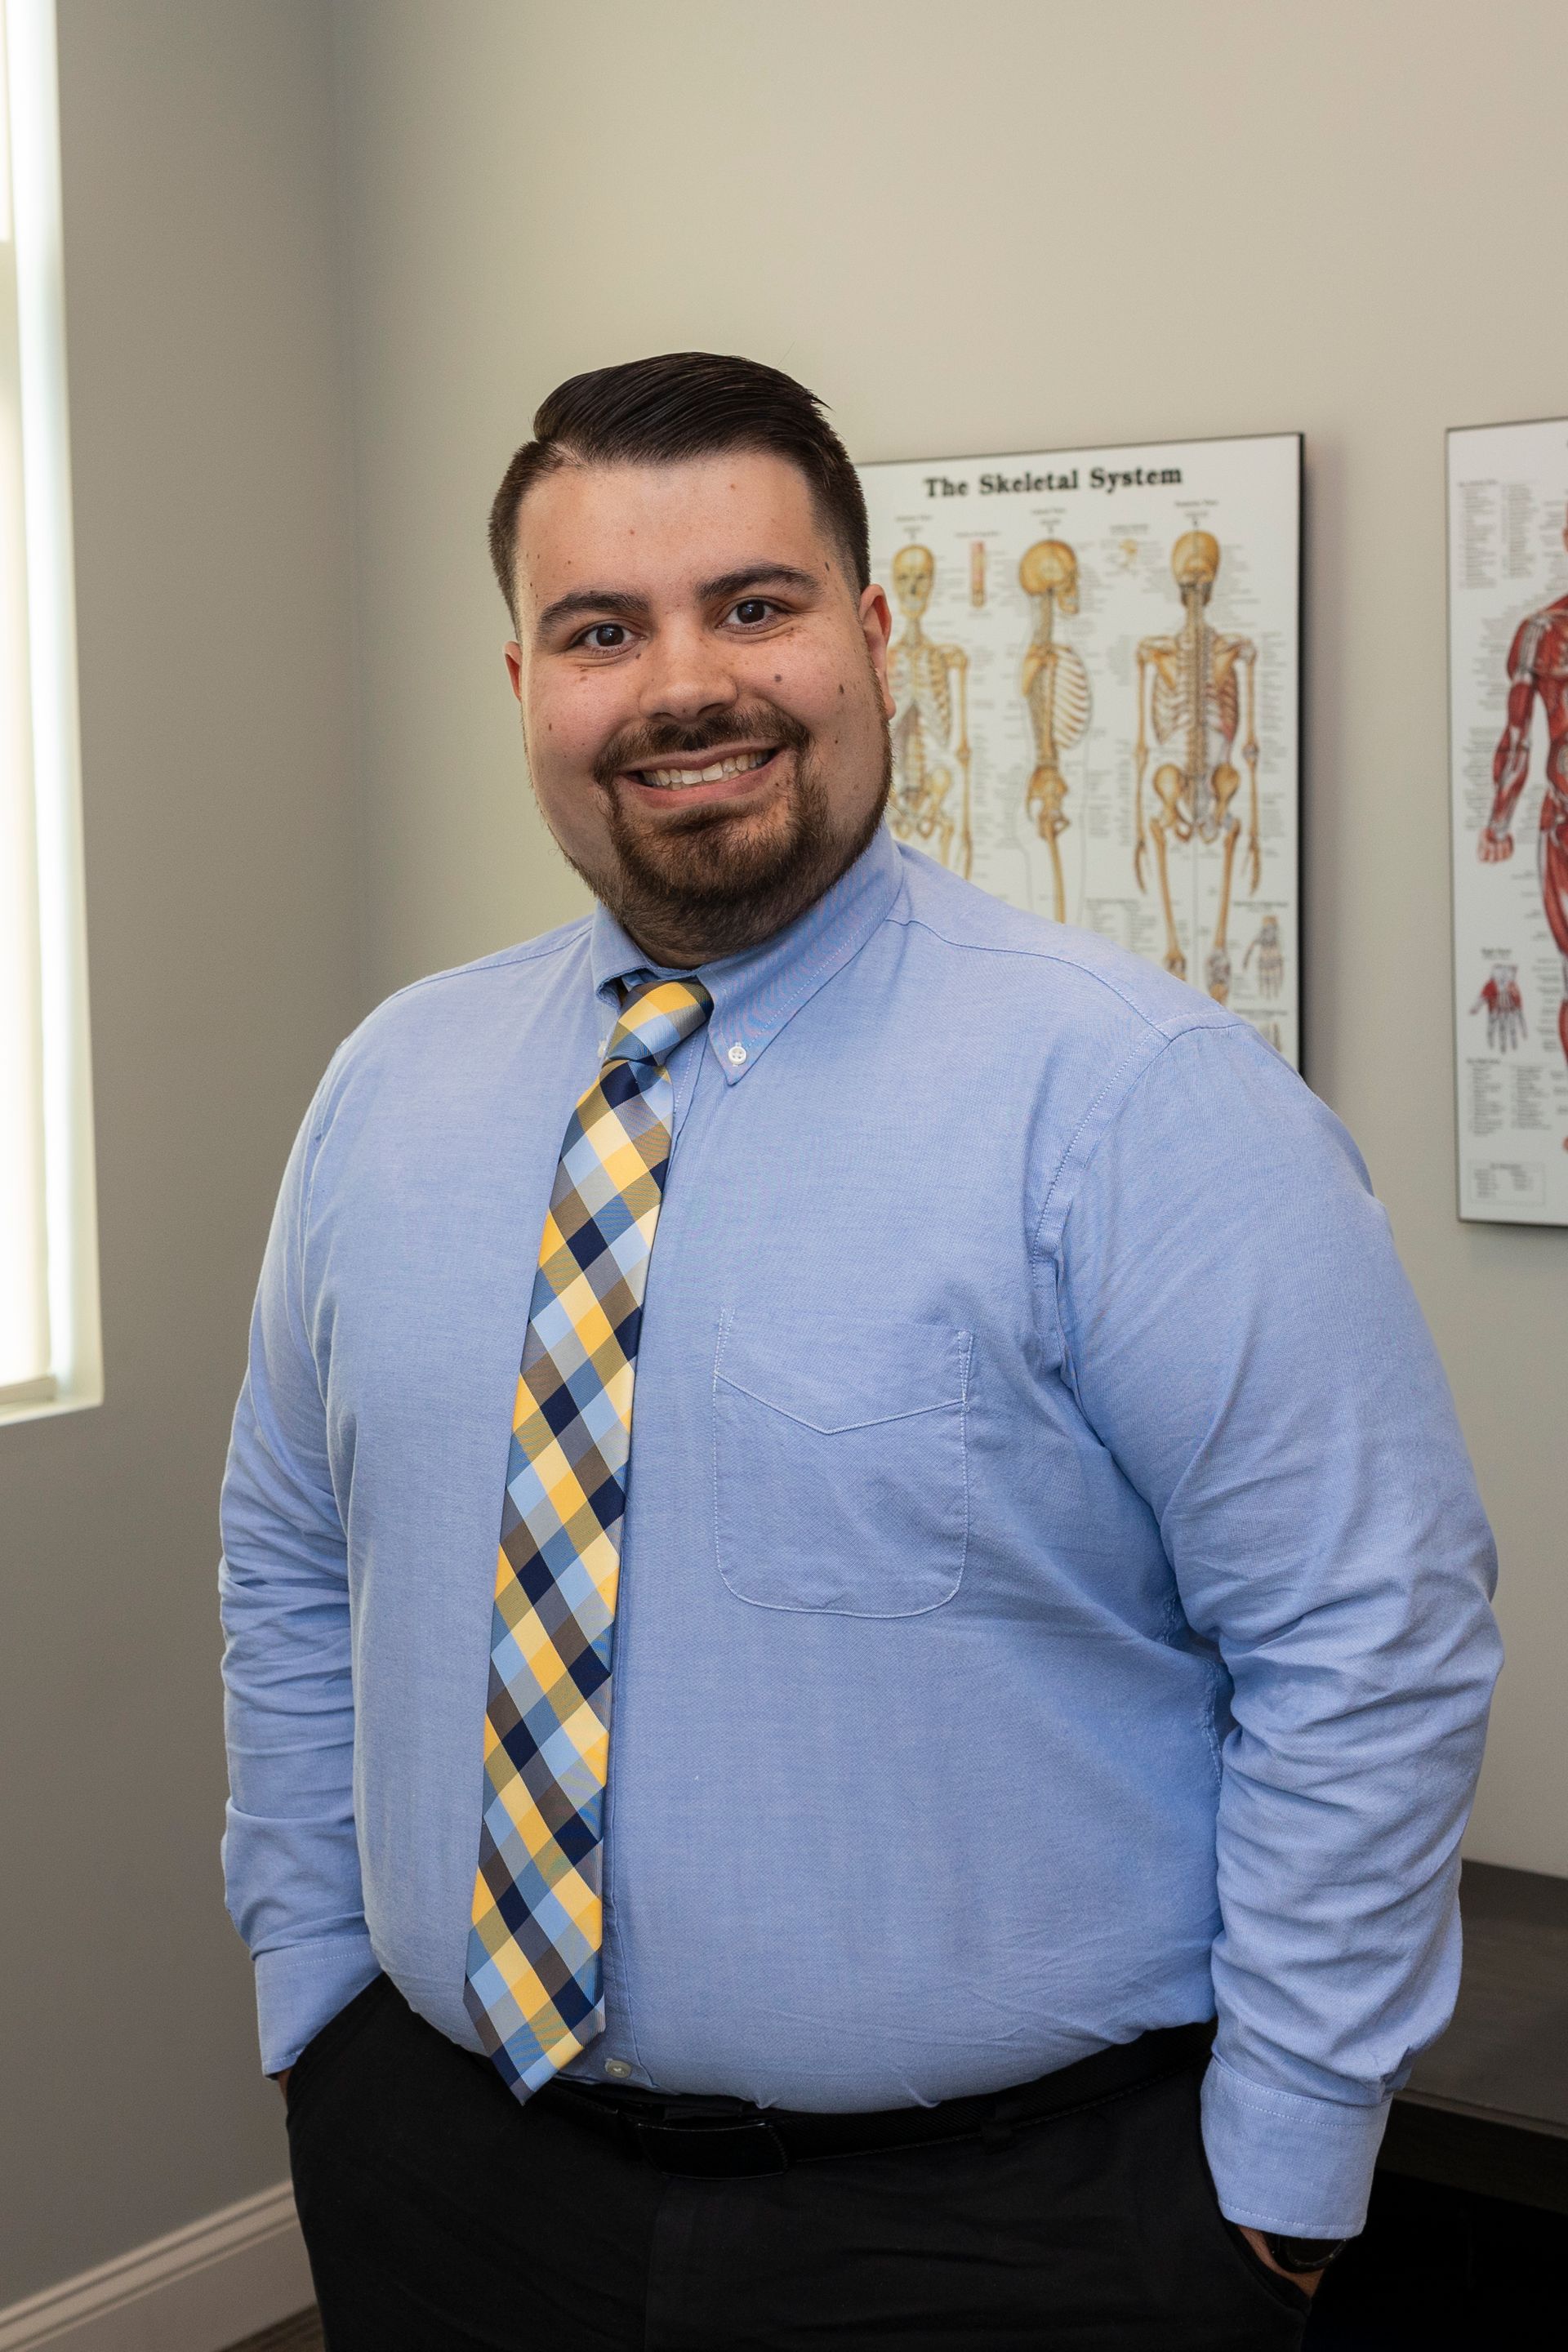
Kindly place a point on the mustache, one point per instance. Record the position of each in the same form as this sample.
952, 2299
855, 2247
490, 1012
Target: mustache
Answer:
644, 747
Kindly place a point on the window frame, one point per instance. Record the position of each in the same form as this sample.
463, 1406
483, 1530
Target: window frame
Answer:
48, 733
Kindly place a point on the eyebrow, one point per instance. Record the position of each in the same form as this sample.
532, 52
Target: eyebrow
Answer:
619, 603
756, 575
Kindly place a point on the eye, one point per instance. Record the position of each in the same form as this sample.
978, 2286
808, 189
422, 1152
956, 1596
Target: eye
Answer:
752, 610
605, 636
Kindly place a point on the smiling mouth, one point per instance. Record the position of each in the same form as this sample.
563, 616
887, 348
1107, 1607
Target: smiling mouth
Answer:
674, 779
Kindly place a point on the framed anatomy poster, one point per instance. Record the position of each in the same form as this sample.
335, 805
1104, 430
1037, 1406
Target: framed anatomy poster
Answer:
1507, 759
1096, 662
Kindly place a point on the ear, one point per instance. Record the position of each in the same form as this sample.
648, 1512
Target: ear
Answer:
877, 628
513, 652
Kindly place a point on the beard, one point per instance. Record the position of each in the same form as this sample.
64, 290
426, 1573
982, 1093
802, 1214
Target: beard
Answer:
692, 888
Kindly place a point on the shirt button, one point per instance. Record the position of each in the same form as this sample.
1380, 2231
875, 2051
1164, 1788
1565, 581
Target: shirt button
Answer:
617, 2066
737, 1054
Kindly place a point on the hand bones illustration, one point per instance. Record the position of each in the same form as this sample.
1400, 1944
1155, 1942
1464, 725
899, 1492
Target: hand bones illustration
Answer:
1270, 957
1055, 684
1191, 691
1504, 1008
926, 681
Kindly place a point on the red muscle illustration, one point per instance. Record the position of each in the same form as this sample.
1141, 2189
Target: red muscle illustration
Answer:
1537, 666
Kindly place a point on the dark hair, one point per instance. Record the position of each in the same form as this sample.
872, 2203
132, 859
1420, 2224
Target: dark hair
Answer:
683, 404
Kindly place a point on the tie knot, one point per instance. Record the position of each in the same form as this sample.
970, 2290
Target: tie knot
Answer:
655, 1017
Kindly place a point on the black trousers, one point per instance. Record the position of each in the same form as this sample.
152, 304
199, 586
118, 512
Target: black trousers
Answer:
441, 2216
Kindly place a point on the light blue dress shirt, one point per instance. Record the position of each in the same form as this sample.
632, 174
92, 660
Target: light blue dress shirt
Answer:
1053, 1598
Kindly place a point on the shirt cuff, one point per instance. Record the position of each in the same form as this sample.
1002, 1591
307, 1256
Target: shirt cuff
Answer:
1281, 2161
300, 1986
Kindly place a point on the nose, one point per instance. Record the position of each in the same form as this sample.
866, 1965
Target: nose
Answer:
686, 674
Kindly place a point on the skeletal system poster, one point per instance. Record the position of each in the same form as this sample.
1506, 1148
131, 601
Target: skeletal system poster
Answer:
1508, 685
1096, 663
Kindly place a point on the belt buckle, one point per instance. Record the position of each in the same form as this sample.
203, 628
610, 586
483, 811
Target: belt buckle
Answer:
746, 2149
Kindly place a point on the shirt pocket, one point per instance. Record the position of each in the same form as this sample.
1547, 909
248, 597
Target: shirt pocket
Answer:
839, 1469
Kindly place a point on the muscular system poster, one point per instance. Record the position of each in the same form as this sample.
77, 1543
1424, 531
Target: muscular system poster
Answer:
1095, 664
1507, 686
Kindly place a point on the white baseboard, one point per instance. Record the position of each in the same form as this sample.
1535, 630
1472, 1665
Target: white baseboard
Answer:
198, 2290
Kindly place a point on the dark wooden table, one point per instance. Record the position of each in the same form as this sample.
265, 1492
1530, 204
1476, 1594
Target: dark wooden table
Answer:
1487, 2106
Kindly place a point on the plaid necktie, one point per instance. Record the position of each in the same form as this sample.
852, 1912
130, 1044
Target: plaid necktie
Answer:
533, 1965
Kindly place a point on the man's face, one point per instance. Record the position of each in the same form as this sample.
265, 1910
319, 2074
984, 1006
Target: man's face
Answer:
704, 694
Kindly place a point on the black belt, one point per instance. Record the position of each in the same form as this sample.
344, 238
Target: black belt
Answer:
722, 2139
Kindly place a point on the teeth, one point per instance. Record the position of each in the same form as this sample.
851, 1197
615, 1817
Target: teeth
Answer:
670, 779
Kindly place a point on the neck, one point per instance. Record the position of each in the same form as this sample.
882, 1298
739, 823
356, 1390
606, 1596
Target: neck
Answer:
682, 950
705, 936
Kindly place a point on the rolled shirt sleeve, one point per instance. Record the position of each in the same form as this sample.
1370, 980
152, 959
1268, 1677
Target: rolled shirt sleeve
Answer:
1243, 1340
290, 1861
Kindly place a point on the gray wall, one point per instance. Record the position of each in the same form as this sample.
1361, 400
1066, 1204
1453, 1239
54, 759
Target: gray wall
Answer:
964, 229
1017, 225
223, 913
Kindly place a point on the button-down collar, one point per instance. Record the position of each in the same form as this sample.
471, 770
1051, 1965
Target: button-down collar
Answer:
757, 993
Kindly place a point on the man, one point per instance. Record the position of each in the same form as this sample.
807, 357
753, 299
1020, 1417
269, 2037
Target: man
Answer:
1045, 1608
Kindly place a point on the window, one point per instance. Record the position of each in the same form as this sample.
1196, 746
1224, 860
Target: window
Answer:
49, 1348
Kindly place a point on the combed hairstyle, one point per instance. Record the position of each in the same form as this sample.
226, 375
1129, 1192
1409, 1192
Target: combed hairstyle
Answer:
655, 411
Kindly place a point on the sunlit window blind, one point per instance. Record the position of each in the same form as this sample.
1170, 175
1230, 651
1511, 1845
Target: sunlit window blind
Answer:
49, 1310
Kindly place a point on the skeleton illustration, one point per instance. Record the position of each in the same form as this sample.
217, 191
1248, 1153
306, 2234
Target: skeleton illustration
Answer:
1504, 1008
1190, 690
1537, 665
977, 573
1270, 957
928, 681
1055, 684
